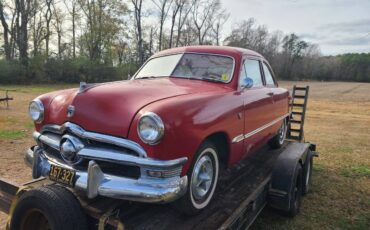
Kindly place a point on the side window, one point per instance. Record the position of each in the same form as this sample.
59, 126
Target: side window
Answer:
268, 76
253, 71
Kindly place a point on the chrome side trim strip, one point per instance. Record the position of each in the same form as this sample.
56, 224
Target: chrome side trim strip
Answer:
247, 135
80, 132
238, 138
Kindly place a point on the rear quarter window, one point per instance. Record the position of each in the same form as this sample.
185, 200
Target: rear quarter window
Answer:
268, 75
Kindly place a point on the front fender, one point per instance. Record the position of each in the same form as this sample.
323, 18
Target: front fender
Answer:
189, 120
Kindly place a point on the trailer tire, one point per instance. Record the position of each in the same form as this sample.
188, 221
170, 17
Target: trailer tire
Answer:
295, 193
307, 173
48, 207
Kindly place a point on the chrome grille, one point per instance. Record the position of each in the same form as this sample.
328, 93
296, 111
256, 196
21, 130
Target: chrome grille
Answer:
54, 133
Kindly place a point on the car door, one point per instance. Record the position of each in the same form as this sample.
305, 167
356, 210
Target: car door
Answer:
279, 97
257, 105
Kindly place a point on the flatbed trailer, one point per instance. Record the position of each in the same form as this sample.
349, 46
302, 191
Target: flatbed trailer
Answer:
243, 191
277, 178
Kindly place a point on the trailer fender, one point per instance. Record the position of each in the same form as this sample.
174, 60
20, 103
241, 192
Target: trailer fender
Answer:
282, 177
14, 203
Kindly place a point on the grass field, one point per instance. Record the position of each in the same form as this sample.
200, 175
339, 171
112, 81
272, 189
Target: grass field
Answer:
338, 121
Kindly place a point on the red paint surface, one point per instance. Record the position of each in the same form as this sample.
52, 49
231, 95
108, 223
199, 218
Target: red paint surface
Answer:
191, 109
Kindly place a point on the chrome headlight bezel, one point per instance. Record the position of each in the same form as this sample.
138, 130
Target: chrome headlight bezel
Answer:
159, 128
35, 107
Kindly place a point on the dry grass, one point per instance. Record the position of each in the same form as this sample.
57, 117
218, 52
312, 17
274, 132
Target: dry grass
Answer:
338, 121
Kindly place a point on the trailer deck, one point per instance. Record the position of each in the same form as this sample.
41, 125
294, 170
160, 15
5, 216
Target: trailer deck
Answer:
240, 196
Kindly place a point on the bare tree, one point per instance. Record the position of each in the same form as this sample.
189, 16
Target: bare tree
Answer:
58, 26
163, 6
73, 11
139, 33
6, 31
241, 35
221, 19
151, 38
203, 14
185, 9
48, 16
23, 9
179, 4
37, 26
93, 36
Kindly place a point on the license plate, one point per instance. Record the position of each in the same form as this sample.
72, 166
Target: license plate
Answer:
62, 175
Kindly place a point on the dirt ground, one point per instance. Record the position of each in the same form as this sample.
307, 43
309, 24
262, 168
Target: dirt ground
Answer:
338, 121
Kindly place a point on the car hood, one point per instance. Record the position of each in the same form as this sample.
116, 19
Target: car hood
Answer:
110, 107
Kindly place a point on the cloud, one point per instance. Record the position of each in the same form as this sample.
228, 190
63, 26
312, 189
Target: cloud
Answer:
313, 36
356, 26
359, 41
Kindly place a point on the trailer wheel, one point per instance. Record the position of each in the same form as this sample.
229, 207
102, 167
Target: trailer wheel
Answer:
49, 207
295, 193
307, 172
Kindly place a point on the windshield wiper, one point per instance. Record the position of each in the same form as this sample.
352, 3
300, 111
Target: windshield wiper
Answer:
210, 79
146, 77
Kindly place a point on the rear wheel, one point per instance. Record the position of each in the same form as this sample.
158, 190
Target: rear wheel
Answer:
203, 175
295, 193
307, 172
278, 140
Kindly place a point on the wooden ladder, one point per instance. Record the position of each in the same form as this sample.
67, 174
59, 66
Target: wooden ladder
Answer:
298, 113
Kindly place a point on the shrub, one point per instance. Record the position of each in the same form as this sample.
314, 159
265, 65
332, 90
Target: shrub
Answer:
53, 70
12, 73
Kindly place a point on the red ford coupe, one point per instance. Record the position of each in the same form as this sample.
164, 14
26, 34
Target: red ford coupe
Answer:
165, 134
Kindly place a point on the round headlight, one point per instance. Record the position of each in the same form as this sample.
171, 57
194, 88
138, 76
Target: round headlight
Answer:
36, 110
150, 128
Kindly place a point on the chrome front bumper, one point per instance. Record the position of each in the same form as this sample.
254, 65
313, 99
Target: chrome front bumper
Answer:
149, 188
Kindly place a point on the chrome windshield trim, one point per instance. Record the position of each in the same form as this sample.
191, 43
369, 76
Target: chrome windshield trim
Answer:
80, 132
191, 52
241, 137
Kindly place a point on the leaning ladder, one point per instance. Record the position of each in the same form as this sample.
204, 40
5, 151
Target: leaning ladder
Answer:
298, 113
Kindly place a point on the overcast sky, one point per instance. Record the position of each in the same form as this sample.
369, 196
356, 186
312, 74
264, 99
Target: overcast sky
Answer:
337, 26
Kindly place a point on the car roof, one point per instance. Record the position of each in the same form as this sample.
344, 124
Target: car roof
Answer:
222, 50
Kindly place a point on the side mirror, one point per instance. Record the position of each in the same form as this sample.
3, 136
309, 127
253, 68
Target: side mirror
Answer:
247, 83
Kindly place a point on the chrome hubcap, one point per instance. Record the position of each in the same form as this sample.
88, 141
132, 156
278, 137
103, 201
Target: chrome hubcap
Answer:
202, 177
282, 132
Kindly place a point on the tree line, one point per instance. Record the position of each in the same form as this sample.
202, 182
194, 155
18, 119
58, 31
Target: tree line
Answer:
46, 41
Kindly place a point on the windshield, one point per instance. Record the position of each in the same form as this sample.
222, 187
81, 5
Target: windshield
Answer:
189, 65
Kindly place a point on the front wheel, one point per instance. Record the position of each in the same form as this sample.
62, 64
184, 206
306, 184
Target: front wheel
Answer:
203, 175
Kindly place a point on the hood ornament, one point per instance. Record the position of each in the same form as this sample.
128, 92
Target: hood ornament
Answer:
70, 111
84, 86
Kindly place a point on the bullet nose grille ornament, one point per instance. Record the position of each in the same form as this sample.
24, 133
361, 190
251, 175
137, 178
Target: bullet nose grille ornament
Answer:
69, 148
70, 111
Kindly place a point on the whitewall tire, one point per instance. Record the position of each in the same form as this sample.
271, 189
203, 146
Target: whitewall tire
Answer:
203, 175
